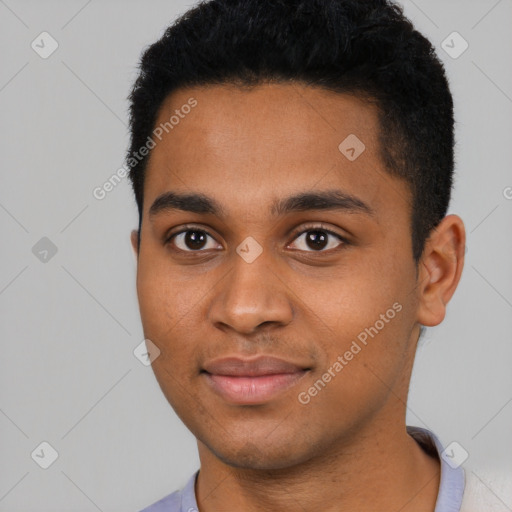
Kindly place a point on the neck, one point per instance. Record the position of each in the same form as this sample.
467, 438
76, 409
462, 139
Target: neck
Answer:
381, 465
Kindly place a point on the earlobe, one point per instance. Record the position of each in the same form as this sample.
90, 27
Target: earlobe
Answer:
134, 236
440, 269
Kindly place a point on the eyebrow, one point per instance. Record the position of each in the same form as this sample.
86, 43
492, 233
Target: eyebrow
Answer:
305, 201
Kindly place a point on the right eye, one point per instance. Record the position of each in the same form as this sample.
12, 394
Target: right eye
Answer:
192, 240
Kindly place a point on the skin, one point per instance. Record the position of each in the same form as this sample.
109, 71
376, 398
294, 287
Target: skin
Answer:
347, 449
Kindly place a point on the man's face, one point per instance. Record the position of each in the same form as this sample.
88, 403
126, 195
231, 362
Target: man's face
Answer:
305, 281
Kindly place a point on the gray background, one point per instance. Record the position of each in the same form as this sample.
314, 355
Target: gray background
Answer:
70, 324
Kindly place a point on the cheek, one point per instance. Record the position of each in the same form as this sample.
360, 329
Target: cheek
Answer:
375, 323
156, 303
371, 319
167, 314
173, 312
364, 369
163, 299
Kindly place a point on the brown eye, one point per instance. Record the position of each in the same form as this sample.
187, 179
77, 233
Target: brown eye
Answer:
318, 240
192, 240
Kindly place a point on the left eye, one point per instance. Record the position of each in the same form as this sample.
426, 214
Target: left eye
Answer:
316, 240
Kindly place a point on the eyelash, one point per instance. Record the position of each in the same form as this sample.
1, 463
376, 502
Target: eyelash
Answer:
296, 234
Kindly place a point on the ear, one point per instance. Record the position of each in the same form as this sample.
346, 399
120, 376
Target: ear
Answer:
134, 236
440, 269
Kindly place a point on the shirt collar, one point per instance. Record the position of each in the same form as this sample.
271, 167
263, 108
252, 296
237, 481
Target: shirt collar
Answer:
452, 482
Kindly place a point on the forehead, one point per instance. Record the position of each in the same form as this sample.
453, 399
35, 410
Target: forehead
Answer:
286, 116
252, 145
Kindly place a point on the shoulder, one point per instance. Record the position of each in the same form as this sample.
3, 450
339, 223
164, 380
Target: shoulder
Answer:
182, 500
170, 503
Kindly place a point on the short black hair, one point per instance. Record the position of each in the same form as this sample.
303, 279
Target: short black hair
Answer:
362, 47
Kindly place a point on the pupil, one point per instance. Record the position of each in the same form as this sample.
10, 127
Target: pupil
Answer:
195, 239
316, 239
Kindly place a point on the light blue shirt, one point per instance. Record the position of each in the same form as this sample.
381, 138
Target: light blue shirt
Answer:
449, 498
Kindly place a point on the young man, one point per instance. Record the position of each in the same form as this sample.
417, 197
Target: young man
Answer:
292, 164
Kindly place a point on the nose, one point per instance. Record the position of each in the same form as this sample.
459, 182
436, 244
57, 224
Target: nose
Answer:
252, 295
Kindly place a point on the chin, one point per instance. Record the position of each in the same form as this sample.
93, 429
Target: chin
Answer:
266, 455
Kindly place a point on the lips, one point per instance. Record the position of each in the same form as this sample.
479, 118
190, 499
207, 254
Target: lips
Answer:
263, 365
251, 381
